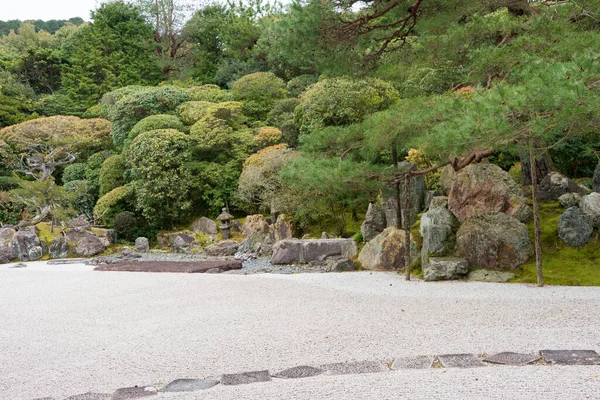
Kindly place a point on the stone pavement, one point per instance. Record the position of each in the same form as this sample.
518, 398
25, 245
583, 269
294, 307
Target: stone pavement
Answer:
545, 357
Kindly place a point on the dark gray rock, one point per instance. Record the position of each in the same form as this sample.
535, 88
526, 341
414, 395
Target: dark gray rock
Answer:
205, 225
167, 240
555, 185
90, 396
253, 242
302, 371
74, 235
189, 385
134, 392
493, 240
182, 244
574, 227
445, 268
244, 378
26, 245
571, 357
569, 200
89, 245
130, 254
412, 363
356, 367
418, 191
437, 229
142, 245
6, 255
236, 226
374, 222
59, 248
460, 361
312, 251
341, 265
509, 358
223, 248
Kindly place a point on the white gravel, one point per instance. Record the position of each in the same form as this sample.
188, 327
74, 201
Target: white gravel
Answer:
66, 330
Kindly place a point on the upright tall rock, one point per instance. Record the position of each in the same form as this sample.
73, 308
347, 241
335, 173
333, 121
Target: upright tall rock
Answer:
374, 222
481, 188
418, 192
437, 229
26, 244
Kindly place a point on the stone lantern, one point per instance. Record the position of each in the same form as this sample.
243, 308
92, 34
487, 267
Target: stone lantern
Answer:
225, 217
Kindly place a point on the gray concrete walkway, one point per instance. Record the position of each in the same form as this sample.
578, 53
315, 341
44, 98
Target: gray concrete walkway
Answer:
68, 330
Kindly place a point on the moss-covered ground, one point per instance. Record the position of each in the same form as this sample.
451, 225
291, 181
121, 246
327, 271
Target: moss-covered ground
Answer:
561, 264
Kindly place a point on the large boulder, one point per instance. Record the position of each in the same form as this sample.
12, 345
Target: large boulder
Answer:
6, 255
374, 222
182, 244
26, 245
74, 235
569, 200
481, 188
386, 251
205, 225
89, 245
255, 223
59, 248
80, 222
575, 227
556, 184
283, 228
312, 251
437, 229
142, 245
445, 268
418, 194
106, 236
590, 205
6, 252
222, 248
493, 240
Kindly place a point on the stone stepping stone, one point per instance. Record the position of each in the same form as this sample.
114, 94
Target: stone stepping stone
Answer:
189, 385
90, 396
302, 371
134, 392
245, 378
460, 361
356, 367
571, 357
189, 267
509, 358
66, 261
412, 363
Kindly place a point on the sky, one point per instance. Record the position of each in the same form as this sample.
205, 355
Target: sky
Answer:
46, 9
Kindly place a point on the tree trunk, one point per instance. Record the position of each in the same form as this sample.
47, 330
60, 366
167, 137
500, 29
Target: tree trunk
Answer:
406, 219
542, 167
536, 217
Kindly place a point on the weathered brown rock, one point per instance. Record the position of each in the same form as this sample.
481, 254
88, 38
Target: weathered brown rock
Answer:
386, 251
283, 228
223, 248
255, 223
495, 241
481, 188
447, 178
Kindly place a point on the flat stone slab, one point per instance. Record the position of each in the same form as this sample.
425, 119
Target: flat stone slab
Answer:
135, 392
244, 378
412, 363
509, 358
356, 367
460, 361
189, 385
571, 357
196, 267
90, 396
301, 371
66, 261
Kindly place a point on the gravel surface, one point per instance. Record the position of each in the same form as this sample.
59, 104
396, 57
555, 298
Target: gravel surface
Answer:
67, 329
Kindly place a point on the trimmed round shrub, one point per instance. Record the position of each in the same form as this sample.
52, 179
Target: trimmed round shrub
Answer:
210, 93
191, 112
74, 172
299, 84
259, 91
154, 122
138, 105
117, 200
267, 136
214, 131
111, 174
125, 226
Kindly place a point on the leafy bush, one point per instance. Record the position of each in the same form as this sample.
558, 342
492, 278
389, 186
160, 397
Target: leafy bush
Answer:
125, 226
210, 93
342, 101
117, 200
154, 122
74, 172
191, 112
161, 178
258, 91
267, 136
85, 196
299, 84
111, 174
282, 116
140, 104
